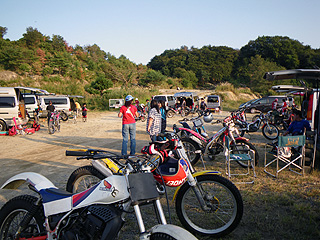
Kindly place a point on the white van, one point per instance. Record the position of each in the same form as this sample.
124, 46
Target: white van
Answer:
32, 103
11, 105
169, 100
61, 104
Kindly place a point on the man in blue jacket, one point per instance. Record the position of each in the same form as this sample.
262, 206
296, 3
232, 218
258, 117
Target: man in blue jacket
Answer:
298, 125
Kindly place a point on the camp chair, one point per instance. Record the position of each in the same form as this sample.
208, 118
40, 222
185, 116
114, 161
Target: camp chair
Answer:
288, 152
239, 154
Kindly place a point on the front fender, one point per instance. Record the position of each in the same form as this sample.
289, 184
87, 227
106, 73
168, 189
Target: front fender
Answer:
35, 179
173, 231
196, 174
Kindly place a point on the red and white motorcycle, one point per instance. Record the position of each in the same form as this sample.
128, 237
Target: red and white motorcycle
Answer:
96, 213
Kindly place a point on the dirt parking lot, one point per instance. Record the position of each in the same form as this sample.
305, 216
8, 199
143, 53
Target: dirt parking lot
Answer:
45, 154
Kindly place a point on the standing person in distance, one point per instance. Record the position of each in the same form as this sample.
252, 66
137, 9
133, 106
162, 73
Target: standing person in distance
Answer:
84, 112
163, 116
50, 109
154, 120
203, 105
128, 112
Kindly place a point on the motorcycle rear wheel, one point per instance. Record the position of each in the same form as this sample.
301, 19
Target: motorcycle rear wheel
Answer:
63, 116
223, 200
170, 114
83, 178
242, 146
12, 213
193, 150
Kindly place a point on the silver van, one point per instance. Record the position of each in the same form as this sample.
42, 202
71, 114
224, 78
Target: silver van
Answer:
11, 105
169, 100
61, 104
214, 103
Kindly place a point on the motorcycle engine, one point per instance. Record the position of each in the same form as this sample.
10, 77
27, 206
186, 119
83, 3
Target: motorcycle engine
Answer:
216, 148
95, 222
253, 128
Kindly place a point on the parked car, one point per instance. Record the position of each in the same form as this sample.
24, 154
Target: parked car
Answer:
169, 100
11, 105
61, 104
263, 104
243, 105
214, 103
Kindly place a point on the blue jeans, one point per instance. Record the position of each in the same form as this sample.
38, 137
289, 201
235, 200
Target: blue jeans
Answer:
129, 129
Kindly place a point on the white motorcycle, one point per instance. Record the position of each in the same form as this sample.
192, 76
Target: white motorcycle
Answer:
97, 213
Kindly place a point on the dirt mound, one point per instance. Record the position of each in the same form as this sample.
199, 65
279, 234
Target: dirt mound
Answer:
8, 75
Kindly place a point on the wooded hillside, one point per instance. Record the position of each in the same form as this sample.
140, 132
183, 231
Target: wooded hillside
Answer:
52, 64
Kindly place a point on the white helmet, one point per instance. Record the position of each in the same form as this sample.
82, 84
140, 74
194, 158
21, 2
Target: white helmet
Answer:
208, 117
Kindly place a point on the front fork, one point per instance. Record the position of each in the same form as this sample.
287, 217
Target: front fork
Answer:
198, 191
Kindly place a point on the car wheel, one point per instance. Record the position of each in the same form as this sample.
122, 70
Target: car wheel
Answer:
3, 126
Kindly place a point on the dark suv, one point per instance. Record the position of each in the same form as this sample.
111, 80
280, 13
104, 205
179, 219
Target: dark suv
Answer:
264, 104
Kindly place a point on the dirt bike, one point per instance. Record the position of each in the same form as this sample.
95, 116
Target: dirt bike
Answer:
97, 213
176, 111
197, 144
269, 130
199, 195
54, 122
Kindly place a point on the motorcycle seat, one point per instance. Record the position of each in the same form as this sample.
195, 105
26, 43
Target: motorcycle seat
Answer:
57, 191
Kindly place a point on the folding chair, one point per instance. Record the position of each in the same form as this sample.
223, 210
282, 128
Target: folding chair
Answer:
288, 152
240, 154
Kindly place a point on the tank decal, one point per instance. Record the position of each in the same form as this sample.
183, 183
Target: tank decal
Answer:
78, 198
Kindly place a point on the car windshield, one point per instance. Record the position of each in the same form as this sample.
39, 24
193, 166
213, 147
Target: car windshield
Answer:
158, 98
213, 99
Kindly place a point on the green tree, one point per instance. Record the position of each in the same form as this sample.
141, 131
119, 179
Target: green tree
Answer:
101, 83
32, 37
3, 31
152, 77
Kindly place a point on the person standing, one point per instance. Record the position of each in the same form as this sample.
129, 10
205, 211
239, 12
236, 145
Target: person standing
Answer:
203, 105
163, 113
284, 106
154, 120
50, 108
78, 108
128, 112
275, 104
84, 112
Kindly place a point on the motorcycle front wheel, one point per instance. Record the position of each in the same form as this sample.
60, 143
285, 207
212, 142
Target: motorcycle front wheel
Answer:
51, 127
223, 206
170, 114
270, 131
13, 212
83, 178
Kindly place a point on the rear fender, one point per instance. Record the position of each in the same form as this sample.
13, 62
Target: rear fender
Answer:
38, 181
196, 174
242, 138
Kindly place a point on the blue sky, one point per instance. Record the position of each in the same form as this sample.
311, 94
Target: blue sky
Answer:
143, 29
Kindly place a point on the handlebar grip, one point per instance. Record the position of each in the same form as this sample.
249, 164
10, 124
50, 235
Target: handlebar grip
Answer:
77, 152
